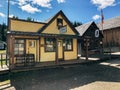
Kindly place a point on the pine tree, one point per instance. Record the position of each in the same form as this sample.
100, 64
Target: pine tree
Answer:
75, 23
3, 32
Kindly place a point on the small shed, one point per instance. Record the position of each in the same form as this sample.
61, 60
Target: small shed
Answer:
93, 35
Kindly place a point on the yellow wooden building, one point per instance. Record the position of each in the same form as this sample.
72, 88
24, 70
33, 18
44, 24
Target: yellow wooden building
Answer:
52, 41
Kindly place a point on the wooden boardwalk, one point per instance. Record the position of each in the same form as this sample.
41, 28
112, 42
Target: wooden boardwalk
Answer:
65, 64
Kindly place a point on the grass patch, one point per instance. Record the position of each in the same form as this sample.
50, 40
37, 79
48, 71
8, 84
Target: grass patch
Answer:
5, 82
2, 51
3, 62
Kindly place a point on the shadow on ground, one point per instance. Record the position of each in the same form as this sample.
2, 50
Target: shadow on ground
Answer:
64, 78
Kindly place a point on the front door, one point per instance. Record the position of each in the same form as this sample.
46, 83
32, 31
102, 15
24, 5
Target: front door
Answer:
31, 47
60, 50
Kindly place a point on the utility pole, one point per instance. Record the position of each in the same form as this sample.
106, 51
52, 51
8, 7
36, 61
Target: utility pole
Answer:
102, 23
8, 14
7, 31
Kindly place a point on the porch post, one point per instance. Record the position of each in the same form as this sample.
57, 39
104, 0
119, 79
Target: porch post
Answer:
56, 50
86, 45
39, 48
12, 51
63, 49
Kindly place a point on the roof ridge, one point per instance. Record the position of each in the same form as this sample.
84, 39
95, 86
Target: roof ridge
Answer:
27, 20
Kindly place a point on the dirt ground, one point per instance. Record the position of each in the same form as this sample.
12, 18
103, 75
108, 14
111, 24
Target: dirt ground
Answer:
97, 76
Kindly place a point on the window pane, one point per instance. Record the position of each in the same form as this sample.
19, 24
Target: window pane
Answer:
68, 44
21, 52
15, 52
49, 44
20, 41
49, 48
16, 45
16, 49
19, 47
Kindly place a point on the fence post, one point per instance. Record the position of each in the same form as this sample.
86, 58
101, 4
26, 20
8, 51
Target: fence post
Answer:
6, 59
1, 61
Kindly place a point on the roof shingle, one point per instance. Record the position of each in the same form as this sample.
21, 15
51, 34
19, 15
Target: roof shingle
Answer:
110, 23
82, 28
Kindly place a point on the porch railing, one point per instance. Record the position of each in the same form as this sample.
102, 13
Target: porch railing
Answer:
4, 60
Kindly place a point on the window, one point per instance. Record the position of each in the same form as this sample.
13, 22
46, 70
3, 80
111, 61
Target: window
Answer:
49, 44
32, 44
19, 46
59, 22
68, 43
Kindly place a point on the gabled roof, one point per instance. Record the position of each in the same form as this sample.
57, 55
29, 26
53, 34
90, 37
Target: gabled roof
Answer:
83, 28
49, 21
110, 23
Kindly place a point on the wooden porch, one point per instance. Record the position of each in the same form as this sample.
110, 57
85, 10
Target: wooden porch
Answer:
60, 64
63, 63
51, 64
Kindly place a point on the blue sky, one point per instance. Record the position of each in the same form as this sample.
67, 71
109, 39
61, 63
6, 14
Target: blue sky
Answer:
76, 10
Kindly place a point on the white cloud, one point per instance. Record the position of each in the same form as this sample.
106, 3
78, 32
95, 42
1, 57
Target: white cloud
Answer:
22, 2
61, 1
11, 15
103, 3
42, 3
96, 17
2, 14
28, 8
13, 2
31, 6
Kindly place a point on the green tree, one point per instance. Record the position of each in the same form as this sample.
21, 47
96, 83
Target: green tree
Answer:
75, 23
3, 30
15, 17
30, 19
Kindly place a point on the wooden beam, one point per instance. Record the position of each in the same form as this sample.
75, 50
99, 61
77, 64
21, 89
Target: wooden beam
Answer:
86, 48
63, 50
76, 47
39, 48
12, 51
56, 54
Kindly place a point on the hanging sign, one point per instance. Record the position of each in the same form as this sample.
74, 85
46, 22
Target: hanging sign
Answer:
63, 29
97, 33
